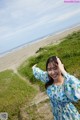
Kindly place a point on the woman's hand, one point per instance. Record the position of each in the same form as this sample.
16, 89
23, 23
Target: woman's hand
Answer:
61, 66
34, 66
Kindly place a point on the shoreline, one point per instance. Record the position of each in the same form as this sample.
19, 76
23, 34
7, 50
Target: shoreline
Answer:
36, 40
14, 58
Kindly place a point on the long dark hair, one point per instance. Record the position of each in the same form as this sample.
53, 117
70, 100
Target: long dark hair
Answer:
50, 59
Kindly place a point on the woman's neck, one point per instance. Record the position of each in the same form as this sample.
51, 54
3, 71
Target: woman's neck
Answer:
60, 80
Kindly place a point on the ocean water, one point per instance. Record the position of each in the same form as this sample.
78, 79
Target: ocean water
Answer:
22, 44
25, 23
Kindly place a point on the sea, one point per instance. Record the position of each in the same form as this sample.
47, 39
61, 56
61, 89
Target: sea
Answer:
25, 44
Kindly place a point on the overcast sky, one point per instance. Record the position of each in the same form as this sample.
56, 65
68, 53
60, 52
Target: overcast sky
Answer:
24, 20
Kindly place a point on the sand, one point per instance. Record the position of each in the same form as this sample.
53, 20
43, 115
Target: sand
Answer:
13, 59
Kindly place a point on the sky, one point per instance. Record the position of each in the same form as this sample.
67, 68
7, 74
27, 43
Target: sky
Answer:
22, 21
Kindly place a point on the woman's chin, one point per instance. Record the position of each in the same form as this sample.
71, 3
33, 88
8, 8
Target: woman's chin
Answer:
55, 78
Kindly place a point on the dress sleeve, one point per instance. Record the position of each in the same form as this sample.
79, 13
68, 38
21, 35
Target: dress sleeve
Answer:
72, 87
40, 74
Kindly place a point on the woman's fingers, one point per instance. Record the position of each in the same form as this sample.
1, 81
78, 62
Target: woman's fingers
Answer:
34, 66
59, 61
61, 66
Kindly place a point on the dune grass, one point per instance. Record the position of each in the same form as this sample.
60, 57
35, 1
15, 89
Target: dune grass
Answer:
68, 51
14, 92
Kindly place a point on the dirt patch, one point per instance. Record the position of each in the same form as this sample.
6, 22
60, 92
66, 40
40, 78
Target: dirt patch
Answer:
39, 109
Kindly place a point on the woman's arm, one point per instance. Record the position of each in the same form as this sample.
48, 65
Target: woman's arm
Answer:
40, 74
63, 71
61, 67
72, 84
72, 87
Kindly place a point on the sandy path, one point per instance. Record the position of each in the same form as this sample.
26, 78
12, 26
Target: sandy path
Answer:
14, 59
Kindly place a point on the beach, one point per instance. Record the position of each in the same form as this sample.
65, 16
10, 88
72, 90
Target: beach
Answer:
13, 59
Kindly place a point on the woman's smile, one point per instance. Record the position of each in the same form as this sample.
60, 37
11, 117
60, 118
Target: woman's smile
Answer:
54, 76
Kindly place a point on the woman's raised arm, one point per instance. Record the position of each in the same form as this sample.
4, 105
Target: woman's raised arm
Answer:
40, 74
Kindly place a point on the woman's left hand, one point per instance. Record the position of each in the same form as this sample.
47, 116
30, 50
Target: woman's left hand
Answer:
61, 66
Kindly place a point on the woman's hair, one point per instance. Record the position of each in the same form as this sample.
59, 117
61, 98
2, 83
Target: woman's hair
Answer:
50, 60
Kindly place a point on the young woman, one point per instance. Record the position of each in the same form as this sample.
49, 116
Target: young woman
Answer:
61, 87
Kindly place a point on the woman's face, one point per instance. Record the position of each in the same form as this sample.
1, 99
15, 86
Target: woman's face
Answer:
53, 70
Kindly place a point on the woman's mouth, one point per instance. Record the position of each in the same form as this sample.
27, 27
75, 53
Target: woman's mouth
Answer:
54, 76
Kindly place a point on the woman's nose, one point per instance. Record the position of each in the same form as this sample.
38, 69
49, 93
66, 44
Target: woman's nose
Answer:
52, 71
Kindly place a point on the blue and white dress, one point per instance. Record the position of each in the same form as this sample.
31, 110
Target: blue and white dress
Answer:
62, 96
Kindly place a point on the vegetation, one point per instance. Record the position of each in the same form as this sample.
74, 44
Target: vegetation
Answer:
14, 92
68, 51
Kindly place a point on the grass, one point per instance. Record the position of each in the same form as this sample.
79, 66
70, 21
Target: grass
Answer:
14, 92
68, 51
37, 112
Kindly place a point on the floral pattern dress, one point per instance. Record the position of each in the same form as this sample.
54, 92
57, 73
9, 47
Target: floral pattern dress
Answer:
62, 96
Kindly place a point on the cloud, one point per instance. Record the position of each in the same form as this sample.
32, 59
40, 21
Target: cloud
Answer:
65, 16
18, 16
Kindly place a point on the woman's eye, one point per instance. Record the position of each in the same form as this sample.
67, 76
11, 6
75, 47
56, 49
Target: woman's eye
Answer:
49, 69
54, 68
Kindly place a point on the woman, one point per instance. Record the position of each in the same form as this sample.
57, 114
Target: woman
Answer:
61, 87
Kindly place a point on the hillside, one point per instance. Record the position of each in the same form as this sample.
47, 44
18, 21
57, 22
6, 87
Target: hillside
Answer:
19, 92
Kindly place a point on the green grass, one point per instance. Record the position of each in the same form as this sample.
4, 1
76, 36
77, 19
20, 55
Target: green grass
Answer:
14, 92
68, 51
